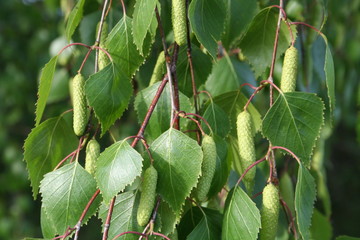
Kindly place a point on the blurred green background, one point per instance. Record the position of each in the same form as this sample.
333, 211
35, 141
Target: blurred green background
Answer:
27, 29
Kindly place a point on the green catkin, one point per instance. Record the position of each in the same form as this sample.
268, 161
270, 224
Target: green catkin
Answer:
269, 212
148, 194
103, 58
80, 117
207, 168
92, 153
159, 69
245, 129
178, 14
289, 71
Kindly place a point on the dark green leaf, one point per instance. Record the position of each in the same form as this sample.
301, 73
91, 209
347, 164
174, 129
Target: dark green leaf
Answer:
177, 158
305, 195
168, 218
222, 169
233, 103
205, 230
258, 42
207, 21
238, 16
160, 119
122, 48
294, 122
45, 146
201, 66
227, 75
108, 92
330, 76
65, 193
47, 74
74, 19
143, 19
217, 119
320, 227
241, 217
117, 167
347, 238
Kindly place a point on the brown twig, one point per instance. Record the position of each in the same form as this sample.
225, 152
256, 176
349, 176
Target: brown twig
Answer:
108, 219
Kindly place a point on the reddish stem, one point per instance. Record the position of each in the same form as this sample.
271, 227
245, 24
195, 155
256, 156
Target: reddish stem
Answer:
66, 158
202, 119
85, 59
290, 217
108, 219
287, 150
248, 169
161, 235
73, 44
129, 232
258, 89
256, 195
248, 84
307, 25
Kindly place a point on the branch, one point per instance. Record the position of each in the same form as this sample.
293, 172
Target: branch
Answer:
108, 219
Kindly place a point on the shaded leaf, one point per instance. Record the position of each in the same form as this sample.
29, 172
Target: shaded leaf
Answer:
207, 21
330, 76
47, 74
122, 48
222, 169
201, 65
347, 238
217, 119
294, 122
227, 75
168, 218
117, 167
258, 42
108, 92
74, 19
238, 16
305, 195
241, 217
207, 229
143, 21
65, 193
160, 119
177, 158
320, 227
45, 146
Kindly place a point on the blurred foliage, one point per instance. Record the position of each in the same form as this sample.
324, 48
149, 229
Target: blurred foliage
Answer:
29, 34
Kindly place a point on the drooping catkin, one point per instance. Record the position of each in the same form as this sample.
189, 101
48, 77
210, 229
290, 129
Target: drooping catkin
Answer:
148, 194
289, 71
80, 114
245, 129
103, 58
269, 212
159, 69
92, 153
179, 21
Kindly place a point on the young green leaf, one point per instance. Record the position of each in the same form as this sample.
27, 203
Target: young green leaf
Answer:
269, 212
74, 19
148, 195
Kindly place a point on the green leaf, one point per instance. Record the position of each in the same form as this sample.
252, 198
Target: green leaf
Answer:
233, 103
124, 215
207, 21
122, 49
45, 146
217, 119
294, 122
258, 42
47, 74
201, 66
305, 195
108, 92
200, 224
177, 158
320, 227
117, 167
227, 75
47, 226
160, 119
222, 169
347, 238
143, 19
168, 218
238, 16
65, 193
74, 19
241, 217
330, 76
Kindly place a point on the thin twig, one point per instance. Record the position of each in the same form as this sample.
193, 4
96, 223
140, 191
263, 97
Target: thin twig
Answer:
98, 38
108, 219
